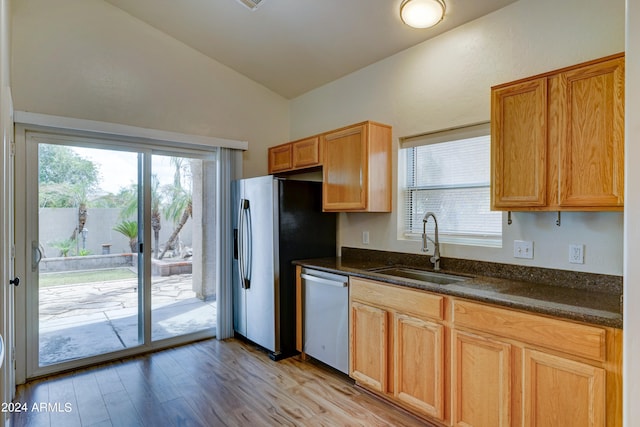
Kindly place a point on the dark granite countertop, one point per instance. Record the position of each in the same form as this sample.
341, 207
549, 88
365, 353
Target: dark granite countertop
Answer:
590, 298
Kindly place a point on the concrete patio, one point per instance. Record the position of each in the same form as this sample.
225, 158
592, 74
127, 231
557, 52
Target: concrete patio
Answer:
87, 319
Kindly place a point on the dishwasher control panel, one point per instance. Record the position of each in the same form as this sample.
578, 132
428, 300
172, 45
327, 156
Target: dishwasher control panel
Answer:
326, 317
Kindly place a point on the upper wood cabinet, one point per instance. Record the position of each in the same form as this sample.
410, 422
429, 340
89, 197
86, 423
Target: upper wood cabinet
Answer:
280, 158
292, 156
356, 166
519, 145
557, 139
589, 107
357, 169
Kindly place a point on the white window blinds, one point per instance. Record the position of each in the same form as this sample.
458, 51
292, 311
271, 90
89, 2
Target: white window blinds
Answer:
448, 173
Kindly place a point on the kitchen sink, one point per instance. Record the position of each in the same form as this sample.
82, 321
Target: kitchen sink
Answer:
421, 275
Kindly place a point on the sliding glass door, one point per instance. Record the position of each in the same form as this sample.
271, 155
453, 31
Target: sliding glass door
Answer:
117, 236
182, 297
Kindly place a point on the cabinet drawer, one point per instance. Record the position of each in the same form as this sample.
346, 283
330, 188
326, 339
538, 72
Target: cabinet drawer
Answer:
418, 303
572, 338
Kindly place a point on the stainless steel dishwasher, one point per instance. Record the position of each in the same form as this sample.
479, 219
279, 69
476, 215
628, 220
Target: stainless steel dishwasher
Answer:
326, 317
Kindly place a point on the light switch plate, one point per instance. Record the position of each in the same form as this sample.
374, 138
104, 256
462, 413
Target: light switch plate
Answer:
523, 249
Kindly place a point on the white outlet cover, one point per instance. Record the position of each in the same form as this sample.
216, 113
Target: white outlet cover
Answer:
576, 254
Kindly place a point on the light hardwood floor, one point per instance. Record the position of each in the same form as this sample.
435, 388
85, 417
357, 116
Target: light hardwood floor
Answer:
209, 383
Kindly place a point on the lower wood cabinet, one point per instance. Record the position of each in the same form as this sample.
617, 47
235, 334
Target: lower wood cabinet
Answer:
369, 346
562, 392
467, 364
512, 368
395, 352
419, 364
481, 381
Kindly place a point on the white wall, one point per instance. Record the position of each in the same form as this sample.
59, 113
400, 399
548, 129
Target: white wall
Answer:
631, 336
446, 82
87, 59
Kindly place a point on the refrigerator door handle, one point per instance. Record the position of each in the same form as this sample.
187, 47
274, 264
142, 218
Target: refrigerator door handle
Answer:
244, 280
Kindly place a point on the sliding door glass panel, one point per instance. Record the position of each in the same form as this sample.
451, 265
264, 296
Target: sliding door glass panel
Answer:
182, 285
88, 281
121, 247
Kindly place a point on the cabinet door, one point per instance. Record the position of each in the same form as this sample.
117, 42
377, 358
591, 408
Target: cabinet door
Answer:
562, 392
519, 145
345, 170
280, 158
419, 366
481, 381
306, 153
369, 348
591, 135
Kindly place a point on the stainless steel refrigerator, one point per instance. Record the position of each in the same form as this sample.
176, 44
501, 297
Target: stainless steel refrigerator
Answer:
275, 221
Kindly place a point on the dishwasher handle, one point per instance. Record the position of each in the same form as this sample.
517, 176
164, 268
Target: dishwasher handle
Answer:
321, 280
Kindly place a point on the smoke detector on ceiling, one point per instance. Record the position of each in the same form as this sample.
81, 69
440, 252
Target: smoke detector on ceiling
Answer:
251, 4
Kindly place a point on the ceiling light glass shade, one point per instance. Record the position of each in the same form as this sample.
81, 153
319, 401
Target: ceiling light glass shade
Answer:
422, 13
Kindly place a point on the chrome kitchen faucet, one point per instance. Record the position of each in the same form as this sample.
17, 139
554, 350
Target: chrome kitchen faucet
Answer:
435, 259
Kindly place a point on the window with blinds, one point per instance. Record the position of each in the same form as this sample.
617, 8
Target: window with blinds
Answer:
448, 173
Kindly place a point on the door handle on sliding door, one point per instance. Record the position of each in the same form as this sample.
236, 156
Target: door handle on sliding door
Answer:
36, 255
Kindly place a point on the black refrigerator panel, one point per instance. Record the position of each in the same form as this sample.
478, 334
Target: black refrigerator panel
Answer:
304, 232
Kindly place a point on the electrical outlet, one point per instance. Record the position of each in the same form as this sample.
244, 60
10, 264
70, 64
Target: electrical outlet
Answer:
576, 254
365, 237
523, 249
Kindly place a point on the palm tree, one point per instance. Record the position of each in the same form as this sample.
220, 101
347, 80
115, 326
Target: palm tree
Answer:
180, 209
64, 246
130, 230
131, 207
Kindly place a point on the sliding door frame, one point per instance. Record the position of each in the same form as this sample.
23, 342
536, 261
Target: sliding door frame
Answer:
27, 139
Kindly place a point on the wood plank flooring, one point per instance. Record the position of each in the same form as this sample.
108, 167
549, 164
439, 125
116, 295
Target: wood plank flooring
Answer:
209, 383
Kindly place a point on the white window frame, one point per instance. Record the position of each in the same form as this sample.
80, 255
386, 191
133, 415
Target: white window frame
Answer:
442, 136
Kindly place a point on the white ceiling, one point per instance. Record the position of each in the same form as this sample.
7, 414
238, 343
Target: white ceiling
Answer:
293, 46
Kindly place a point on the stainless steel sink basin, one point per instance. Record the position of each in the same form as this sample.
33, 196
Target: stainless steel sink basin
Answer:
421, 275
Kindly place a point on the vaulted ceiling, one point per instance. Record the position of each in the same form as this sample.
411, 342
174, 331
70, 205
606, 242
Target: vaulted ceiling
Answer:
294, 46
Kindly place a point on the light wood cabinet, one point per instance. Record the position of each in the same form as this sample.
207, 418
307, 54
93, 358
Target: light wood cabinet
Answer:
470, 364
293, 156
519, 145
550, 371
562, 392
557, 139
481, 381
355, 161
357, 169
280, 158
405, 363
306, 153
590, 134
369, 347
419, 364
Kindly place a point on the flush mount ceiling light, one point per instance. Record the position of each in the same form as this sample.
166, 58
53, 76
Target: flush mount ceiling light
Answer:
422, 13
251, 4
